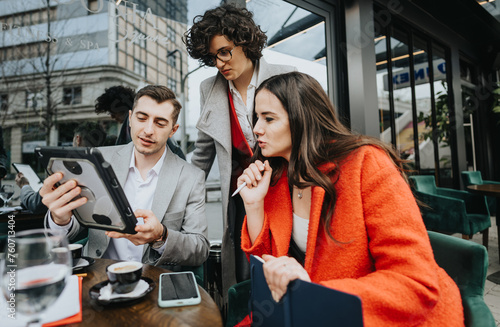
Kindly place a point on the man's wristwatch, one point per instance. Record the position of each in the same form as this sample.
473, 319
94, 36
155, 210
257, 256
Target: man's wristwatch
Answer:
159, 243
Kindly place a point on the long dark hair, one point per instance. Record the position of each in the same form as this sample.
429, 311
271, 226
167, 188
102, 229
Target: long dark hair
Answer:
318, 137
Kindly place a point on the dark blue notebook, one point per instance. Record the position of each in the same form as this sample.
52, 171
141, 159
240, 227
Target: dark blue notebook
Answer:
304, 304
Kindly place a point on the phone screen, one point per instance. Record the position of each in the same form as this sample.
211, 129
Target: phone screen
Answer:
178, 286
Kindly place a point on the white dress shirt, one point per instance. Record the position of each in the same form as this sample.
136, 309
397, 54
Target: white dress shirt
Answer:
140, 195
245, 112
300, 231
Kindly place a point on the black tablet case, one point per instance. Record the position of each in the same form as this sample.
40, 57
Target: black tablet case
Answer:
107, 207
304, 304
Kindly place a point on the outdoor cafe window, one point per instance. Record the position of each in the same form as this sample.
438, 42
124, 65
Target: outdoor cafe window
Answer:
413, 102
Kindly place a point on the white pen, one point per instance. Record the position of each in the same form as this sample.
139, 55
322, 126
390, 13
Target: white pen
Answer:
241, 187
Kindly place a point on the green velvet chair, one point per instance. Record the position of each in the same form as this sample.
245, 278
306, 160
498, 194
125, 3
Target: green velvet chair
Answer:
451, 211
467, 264
475, 178
238, 296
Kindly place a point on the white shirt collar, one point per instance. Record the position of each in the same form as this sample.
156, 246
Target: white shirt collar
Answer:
156, 168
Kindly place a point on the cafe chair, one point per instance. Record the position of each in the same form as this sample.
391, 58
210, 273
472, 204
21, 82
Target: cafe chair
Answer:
475, 178
451, 211
238, 296
198, 272
467, 264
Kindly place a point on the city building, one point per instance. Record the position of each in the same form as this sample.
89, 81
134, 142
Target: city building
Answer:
56, 58
417, 74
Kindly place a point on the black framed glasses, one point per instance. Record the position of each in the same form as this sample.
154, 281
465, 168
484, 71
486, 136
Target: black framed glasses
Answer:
223, 55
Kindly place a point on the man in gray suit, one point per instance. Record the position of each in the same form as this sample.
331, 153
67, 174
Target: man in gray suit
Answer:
164, 190
218, 39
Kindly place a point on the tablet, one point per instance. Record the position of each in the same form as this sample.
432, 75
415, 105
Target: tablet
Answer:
30, 174
107, 207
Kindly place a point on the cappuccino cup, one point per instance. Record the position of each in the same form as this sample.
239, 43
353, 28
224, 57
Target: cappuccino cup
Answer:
76, 250
124, 276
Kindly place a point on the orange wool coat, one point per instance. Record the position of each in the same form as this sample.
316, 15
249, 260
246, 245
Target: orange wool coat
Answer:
386, 258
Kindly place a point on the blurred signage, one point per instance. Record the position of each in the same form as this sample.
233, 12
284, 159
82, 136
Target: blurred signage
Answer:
401, 78
29, 147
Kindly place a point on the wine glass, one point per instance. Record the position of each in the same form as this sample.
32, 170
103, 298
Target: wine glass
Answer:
6, 193
34, 271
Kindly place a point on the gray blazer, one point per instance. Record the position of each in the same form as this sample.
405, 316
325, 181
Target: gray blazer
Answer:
32, 200
214, 138
179, 202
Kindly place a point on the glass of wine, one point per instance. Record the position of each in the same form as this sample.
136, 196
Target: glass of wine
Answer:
6, 193
34, 271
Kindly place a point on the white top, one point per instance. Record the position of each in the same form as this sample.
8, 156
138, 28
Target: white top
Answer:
140, 195
299, 232
245, 112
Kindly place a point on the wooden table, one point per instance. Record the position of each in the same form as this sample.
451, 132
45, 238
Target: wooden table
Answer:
146, 312
490, 190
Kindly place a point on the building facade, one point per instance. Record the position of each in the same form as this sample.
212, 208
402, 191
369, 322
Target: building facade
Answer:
417, 74
57, 57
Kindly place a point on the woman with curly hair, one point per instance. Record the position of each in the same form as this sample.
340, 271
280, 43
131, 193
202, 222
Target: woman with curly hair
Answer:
228, 38
331, 207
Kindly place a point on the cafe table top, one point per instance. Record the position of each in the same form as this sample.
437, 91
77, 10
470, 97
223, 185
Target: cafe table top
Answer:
485, 189
146, 312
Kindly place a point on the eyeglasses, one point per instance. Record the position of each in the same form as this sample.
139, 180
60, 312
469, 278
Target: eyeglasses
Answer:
223, 55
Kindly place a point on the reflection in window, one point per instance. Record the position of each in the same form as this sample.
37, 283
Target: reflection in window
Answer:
423, 103
443, 112
413, 101
295, 36
470, 102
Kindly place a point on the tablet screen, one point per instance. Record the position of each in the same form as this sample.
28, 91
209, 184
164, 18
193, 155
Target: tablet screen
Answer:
30, 174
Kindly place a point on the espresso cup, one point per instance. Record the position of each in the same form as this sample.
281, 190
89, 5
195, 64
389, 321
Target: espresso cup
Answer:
124, 276
76, 250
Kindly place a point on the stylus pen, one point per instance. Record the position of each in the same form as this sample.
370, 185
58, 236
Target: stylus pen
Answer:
241, 187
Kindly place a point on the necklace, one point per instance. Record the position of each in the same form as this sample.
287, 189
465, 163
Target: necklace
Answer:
300, 192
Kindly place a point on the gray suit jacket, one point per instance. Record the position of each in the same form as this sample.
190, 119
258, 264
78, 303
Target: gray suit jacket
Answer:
32, 200
214, 138
179, 202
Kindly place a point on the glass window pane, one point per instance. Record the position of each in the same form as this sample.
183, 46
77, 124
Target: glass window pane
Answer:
424, 107
295, 36
402, 95
383, 88
442, 116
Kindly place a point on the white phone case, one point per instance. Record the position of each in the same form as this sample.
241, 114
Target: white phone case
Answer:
178, 289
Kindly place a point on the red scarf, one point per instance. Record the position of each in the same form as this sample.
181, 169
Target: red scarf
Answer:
241, 150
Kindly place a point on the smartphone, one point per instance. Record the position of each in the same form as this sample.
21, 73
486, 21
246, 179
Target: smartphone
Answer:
178, 289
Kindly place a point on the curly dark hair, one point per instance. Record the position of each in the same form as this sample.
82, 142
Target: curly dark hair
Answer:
116, 100
234, 23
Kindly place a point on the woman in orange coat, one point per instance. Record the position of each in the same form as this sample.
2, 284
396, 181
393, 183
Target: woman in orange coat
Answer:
331, 207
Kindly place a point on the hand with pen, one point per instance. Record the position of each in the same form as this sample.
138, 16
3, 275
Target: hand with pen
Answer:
257, 178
